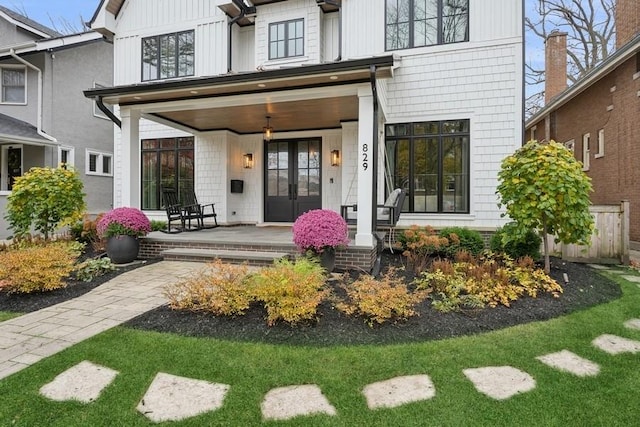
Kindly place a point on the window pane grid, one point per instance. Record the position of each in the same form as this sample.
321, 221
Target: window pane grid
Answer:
168, 55
13, 85
286, 39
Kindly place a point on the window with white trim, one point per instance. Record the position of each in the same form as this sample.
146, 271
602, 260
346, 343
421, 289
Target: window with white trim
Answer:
99, 163
600, 152
13, 84
66, 155
570, 145
586, 138
286, 39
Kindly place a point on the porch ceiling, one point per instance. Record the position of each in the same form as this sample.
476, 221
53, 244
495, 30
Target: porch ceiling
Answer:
285, 116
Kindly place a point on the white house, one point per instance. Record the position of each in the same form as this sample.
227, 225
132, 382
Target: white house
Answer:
361, 96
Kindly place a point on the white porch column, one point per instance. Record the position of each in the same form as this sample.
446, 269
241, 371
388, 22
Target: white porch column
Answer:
128, 159
364, 162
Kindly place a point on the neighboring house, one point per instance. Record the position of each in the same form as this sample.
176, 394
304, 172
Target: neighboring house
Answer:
598, 116
359, 97
44, 118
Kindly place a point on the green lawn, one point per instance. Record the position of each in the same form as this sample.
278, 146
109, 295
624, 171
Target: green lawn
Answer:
6, 315
560, 399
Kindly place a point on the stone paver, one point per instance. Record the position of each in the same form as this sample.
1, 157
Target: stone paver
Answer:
614, 344
173, 398
634, 279
599, 266
399, 391
500, 382
570, 362
632, 324
284, 403
83, 382
58, 327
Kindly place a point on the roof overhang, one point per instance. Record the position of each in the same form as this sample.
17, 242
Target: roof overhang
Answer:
299, 98
24, 26
6, 139
52, 43
622, 55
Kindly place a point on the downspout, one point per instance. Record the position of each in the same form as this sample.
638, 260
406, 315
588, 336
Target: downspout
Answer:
108, 112
230, 43
339, 58
12, 52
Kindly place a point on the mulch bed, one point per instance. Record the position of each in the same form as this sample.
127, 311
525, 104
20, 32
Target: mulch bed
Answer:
26, 303
586, 288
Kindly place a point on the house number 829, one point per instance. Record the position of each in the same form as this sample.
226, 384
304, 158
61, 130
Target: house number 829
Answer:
365, 156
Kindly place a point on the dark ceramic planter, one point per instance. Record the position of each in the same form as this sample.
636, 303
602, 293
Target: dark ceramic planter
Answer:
328, 259
122, 249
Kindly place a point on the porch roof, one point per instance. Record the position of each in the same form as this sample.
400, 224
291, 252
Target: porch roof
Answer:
307, 97
14, 131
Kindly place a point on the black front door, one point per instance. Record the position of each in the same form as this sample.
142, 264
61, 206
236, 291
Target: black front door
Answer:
14, 165
292, 176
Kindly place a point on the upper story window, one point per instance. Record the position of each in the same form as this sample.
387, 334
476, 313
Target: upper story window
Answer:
414, 23
168, 55
99, 163
286, 39
14, 85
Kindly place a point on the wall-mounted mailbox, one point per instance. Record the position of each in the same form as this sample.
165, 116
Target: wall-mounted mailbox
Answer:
237, 186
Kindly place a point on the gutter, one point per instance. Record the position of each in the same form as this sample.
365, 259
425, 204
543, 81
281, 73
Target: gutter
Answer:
40, 90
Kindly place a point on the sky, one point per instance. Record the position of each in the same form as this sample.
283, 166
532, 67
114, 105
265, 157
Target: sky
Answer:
55, 13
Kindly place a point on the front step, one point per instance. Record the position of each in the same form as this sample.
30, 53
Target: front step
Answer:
234, 257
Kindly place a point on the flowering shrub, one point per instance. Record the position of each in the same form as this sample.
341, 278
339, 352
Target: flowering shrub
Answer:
123, 221
319, 229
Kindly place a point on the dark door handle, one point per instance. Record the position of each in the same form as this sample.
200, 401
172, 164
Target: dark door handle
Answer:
295, 191
290, 191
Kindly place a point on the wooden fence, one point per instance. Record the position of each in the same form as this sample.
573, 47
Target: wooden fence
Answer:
609, 242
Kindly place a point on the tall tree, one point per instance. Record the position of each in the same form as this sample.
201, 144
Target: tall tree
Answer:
590, 29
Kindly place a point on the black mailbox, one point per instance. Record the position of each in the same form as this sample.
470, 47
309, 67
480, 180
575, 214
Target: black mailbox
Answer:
237, 185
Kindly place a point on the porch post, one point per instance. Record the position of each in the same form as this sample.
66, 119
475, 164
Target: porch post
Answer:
364, 163
127, 159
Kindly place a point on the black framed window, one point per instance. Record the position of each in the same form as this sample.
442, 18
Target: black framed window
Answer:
415, 23
13, 84
168, 55
430, 160
286, 39
166, 162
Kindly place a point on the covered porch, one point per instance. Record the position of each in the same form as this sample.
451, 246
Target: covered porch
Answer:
314, 113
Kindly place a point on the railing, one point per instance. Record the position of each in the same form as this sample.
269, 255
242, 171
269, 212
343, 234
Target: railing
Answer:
609, 242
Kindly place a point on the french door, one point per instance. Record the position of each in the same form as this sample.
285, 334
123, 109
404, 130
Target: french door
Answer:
292, 176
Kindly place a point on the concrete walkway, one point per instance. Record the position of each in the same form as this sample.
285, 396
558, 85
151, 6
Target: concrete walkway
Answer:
27, 339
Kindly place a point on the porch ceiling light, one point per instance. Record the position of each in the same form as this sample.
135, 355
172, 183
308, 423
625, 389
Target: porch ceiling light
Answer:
335, 158
267, 131
247, 160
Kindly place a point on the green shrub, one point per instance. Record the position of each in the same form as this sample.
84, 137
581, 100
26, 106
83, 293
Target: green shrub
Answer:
505, 240
92, 268
220, 289
157, 225
45, 199
379, 300
26, 268
462, 239
290, 291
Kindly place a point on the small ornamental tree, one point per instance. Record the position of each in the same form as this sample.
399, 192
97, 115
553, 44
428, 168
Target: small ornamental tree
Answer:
544, 188
44, 199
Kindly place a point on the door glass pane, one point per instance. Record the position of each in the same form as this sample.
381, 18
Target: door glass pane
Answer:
303, 183
303, 155
272, 157
314, 154
283, 155
425, 163
314, 182
272, 183
283, 182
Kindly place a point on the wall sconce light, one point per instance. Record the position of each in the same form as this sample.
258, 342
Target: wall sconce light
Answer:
267, 131
247, 160
335, 158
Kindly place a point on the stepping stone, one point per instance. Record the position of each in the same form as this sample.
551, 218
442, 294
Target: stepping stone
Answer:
83, 382
632, 324
173, 398
500, 382
599, 266
614, 344
634, 279
569, 362
399, 391
284, 403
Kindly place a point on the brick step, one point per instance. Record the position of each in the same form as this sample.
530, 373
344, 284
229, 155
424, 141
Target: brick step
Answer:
205, 255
